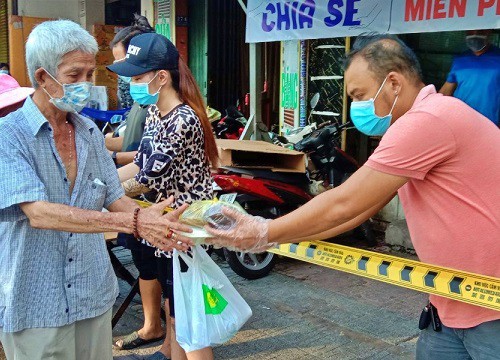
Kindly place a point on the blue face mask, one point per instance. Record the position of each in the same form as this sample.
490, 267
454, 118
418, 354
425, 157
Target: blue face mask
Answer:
364, 118
76, 95
126, 79
6, 72
140, 93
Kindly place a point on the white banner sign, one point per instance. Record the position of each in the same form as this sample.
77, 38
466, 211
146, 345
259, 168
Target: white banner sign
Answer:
269, 20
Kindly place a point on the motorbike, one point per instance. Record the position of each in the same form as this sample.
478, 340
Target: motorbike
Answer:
332, 165
261, 193
291, 136
270, 194
230, 126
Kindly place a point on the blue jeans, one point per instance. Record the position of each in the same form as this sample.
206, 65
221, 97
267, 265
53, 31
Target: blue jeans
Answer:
478, 343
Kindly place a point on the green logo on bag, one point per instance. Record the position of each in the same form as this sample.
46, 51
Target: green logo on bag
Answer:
214, 302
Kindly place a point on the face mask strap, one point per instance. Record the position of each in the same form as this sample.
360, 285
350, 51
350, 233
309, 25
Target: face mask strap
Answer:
394, 104
143, 84
380, 88
57, 81
158, 88
50, 96
378, 92
149, 82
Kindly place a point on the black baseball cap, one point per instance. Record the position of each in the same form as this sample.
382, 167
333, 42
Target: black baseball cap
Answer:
147, 52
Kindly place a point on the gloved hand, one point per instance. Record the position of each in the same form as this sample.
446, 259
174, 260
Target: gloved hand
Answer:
247, 233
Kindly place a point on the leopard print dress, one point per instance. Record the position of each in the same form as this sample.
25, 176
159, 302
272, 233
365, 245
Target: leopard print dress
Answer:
171, 157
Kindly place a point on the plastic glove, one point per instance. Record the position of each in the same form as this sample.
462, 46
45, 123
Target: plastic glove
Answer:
247, 233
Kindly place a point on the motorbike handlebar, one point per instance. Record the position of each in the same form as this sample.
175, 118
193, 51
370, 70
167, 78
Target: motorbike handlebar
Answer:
320, 137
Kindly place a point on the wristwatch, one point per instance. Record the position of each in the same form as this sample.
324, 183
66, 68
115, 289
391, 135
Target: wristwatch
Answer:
113, 156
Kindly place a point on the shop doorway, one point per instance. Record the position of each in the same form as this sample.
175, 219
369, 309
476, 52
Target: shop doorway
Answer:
121, 12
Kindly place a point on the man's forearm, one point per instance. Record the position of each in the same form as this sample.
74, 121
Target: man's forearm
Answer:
51, 216
349, 225
304, 228
364, 190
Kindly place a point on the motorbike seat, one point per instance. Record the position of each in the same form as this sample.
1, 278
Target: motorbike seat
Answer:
297, 179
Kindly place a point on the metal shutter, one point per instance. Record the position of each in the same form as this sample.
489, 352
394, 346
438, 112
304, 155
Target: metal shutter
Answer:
162, 7
164, 23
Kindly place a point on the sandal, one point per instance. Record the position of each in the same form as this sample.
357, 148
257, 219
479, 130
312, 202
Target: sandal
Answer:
133, 340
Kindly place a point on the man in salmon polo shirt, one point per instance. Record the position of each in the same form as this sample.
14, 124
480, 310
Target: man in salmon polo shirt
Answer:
443, 159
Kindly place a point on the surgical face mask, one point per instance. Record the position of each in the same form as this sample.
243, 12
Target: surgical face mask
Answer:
126, 79
75, 96
366, 120
140, 93
476, 42
4, 72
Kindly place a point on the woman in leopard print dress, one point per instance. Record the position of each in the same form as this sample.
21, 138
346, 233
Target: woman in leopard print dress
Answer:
177, 145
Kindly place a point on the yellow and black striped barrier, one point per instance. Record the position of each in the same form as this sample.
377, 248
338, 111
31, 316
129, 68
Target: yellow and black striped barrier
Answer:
471, 288
454, 284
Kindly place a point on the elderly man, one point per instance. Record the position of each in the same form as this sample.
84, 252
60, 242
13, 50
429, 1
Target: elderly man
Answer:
57, 285
448, 187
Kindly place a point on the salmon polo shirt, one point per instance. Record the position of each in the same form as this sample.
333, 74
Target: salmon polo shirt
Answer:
451, 155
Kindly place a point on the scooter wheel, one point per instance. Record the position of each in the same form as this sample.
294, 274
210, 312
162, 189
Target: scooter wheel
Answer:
250, 266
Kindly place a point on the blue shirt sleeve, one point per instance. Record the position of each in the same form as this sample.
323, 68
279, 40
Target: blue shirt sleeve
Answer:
452, 77
19, 182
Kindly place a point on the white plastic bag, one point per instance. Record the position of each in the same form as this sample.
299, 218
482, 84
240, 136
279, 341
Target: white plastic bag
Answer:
208, 309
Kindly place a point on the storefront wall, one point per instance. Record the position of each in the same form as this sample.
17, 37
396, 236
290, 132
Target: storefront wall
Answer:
84, 12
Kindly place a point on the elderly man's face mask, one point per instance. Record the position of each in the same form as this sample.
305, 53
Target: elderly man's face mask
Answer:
75, 97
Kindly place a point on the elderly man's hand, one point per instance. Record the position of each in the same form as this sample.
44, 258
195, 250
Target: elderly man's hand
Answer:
162, 230
248, 233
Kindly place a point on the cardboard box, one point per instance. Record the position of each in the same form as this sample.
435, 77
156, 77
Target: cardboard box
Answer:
260, 155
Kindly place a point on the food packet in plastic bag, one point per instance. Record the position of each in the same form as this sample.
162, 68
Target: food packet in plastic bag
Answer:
203, 212
214, 217
198, 235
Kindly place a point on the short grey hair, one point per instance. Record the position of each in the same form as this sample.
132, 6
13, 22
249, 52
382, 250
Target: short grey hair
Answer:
51, 40
385, 53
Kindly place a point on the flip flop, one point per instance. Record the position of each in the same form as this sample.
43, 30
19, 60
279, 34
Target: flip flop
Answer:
157, 356
133, 340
